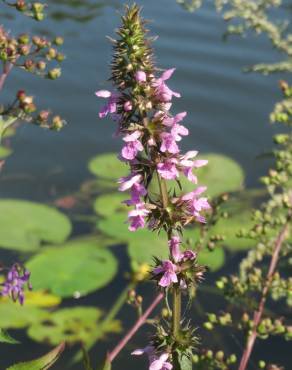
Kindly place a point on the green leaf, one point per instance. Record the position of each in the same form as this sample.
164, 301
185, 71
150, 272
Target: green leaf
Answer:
73, 269
6, 338
107, 365
184, 361
213, 259
4, 151
109, 204
107, 166
144, 249
42, 363
73, 325
86, 359
14, 316
25, 225
222, 174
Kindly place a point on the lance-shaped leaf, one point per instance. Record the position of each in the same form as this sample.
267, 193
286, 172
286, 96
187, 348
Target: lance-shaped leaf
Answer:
6, 338
42, 363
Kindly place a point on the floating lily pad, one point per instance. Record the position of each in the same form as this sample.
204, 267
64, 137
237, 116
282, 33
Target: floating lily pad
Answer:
15, 316
107, 166
4, 152
75, 268
143, 251
222, 174
107, 205
73, 325
41, 298
25, 225
213, 259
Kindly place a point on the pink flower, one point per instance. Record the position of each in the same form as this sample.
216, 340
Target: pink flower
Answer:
176, 130
195, 204
133, 182
171, 121
174, 248
168, 269
167, 169
176, 254
168, 143
156, 362
111, 106
137, 216
162, 91
187, 165
179, 130
140, 76
132, 147
128, 181
161, 363
128, 106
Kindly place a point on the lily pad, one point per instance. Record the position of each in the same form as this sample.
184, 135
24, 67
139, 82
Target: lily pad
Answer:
107, 205
213, 259
73, 325
4, 151
143, 251
14, 316
25, 225
73, 269
222, 174
41, 298
107, 166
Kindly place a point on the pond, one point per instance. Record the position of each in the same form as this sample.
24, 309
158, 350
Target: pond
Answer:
228, 113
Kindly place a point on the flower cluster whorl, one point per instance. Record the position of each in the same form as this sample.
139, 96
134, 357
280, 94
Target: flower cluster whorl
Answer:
151, 136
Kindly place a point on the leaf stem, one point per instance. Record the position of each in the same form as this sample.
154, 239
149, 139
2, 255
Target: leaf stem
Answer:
113, 354
259, 312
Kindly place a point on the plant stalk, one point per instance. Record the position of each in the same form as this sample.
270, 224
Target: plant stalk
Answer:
258, 314
113, 354
176, 311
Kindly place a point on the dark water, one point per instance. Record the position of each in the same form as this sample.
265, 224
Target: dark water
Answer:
227, 110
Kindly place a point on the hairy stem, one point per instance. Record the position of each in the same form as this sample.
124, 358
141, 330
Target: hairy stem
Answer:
258, 314
113, 354
176, 311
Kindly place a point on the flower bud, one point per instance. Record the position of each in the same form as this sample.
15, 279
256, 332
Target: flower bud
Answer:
128, 106
29, 65
54, 73
24, 49
41, 65
52, 53
140, 76
21, 95
23, 39
20, 5
29, 108
57, 123
38, 7
43, 115
60, 57
58, 41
